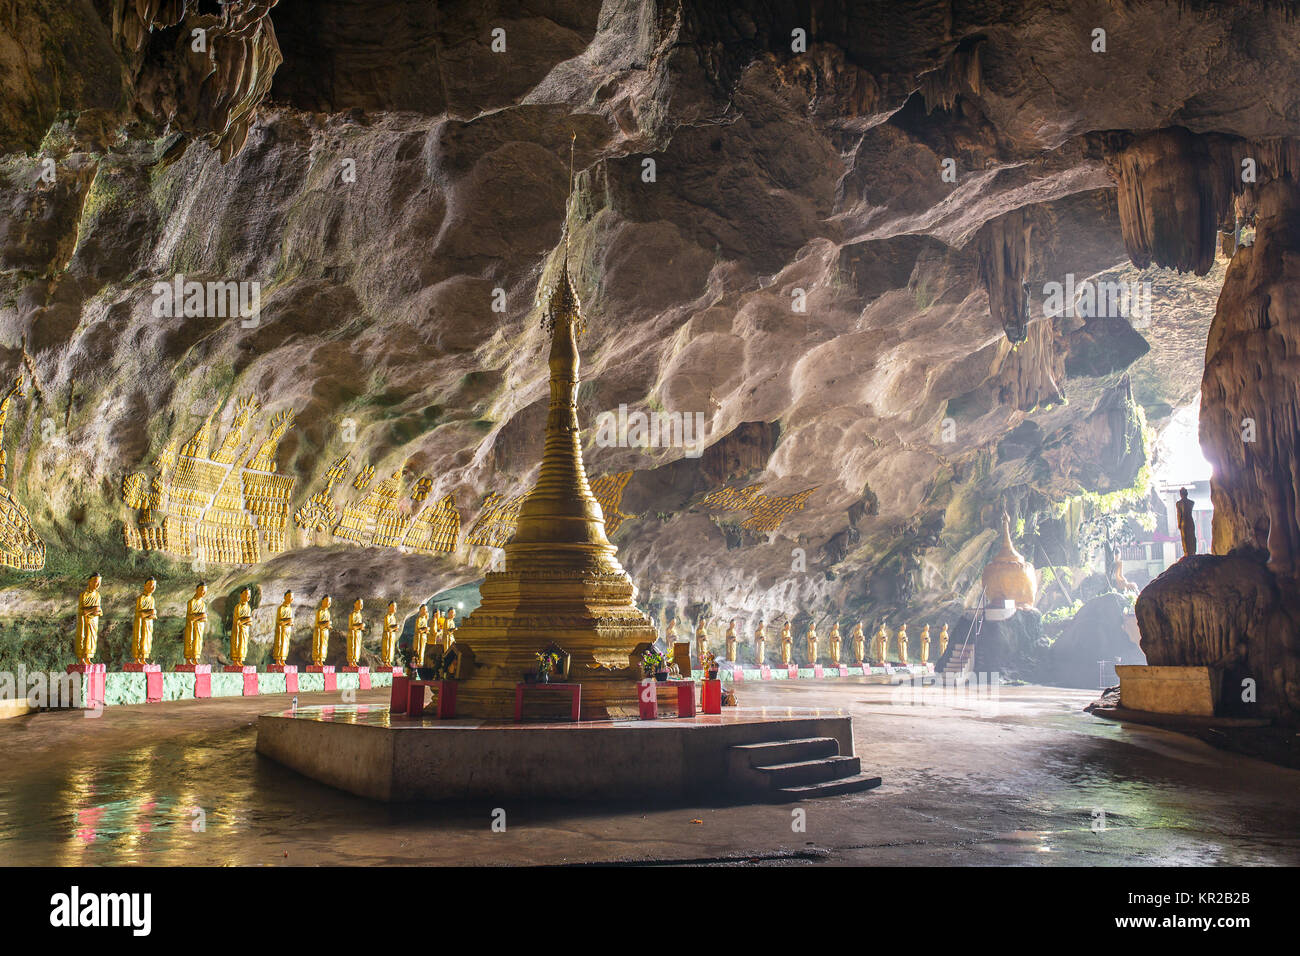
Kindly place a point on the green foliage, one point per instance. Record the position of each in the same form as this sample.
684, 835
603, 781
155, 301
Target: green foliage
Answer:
1062, 613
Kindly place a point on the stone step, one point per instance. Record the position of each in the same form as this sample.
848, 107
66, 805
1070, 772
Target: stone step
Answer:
803, 772
826, 788
773, 752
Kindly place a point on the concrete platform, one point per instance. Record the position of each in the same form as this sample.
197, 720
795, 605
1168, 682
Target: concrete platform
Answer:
1184, 691
368, 751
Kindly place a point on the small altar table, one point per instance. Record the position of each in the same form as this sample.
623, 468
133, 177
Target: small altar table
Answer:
648, 697
711, 697
574, 689
446, 698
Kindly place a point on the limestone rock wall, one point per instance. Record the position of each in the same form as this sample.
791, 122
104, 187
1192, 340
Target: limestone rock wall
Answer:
876, 375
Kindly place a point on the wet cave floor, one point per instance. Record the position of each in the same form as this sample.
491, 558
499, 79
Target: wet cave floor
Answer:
1022, 778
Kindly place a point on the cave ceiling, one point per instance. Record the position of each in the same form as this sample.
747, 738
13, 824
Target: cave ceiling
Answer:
866, 339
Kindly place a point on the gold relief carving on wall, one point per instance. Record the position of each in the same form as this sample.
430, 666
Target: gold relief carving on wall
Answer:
21, 547
495, 525
436, 529
375, 520
608, 490
381, 518
766, 512
203, 504
320, 513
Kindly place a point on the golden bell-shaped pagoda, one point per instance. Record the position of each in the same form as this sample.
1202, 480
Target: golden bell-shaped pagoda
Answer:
562, 581
1008, 576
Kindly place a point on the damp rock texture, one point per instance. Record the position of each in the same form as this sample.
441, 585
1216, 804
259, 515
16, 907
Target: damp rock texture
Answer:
1237, 609
832, 233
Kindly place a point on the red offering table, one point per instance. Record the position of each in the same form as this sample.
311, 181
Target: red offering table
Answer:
711, 697
648, 698
397, 700
575, 690
446, 690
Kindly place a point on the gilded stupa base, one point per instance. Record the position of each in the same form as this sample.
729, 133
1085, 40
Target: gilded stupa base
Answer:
589, 615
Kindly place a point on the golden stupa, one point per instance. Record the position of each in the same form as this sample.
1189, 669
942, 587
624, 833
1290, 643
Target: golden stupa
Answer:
562, 581
1008, 576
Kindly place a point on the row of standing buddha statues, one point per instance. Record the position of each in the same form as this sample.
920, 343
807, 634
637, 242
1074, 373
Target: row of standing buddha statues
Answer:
879, 649
440, 626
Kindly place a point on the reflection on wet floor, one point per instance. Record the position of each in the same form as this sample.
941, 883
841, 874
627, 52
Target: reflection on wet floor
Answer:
1037, 782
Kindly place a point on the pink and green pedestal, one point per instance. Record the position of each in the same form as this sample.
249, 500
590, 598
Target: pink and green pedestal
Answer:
249, 675
148, 683
202, 678
290, 672
93, 683
153, 680
363, 676
329, 679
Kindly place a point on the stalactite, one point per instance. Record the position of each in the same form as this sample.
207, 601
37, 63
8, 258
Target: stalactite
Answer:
1177, 189
959, 74
1029, 375
210, 94
1003, 258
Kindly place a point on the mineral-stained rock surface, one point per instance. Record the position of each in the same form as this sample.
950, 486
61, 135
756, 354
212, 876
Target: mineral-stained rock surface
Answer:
832, 246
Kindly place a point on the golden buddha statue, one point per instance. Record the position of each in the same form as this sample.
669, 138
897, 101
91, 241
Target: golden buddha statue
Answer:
836, 640
880, 648
241, 625
943, 640
196, 622
420, 638
901, 639
670, 635
88, 614
925, 644
356, 630
811, 639
731, 641
283, 630
1008, 576
859, 644
320, 633
449, 629
142, 623
760, 644
701, 639
786, 642
388, 644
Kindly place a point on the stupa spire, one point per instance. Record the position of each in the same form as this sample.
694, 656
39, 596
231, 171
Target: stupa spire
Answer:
562, 584
560, 519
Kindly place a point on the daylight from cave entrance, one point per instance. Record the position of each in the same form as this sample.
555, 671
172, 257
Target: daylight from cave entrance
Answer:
667, 411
